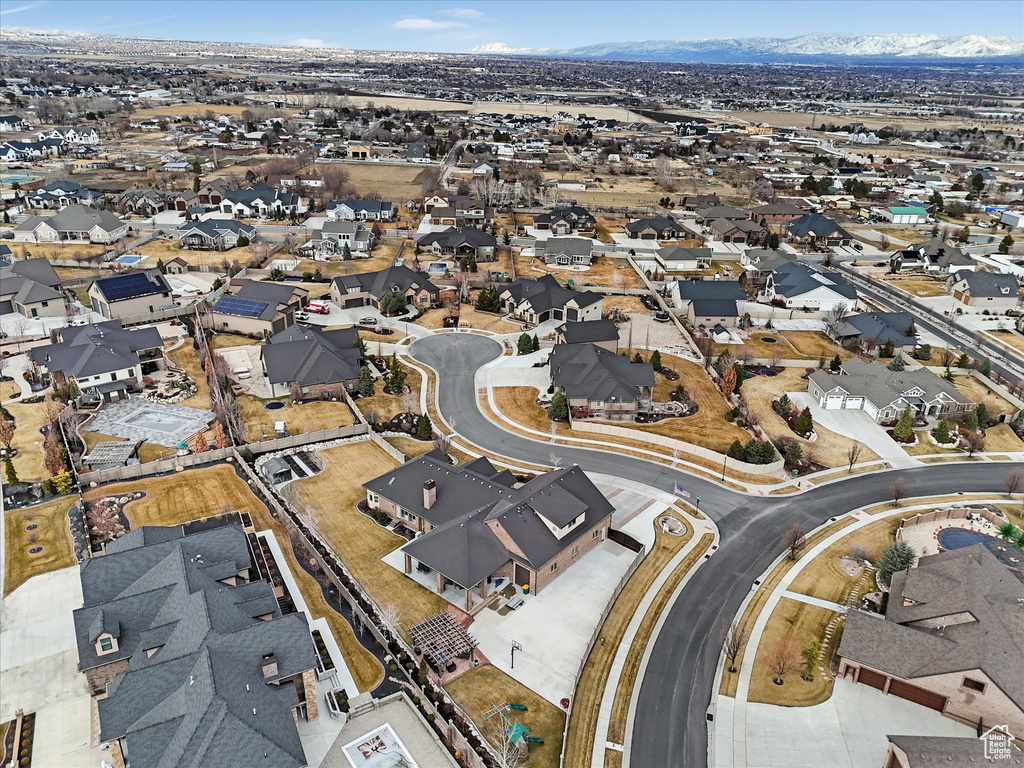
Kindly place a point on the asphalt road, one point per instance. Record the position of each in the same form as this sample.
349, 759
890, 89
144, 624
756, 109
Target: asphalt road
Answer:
670, 728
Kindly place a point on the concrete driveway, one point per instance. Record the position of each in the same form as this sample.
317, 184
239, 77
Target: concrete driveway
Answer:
858, 426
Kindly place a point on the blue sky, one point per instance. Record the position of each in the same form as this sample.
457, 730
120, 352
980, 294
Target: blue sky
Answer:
455, 27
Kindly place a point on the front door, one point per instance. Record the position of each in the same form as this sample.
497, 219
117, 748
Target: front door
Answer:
522, 575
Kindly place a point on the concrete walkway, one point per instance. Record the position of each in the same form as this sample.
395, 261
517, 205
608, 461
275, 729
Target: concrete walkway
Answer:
15, 367
828, 605
737, 734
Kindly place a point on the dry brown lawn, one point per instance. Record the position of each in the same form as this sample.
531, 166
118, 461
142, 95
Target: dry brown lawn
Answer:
814, 344
469, 318
795, 624
1002, 438
978, 392
396, 183
167, 249
188, 358
225, 340
605, 271
411, 448
197, 109
1010, 339
147, 451
916, 285
379, 258
28, 441
479, 689
356, 538
184, 496
758, 346
64, 250
52, 534
299, 418
391, 405
830, 448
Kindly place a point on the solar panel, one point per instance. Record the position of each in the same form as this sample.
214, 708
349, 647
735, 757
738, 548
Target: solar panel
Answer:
233, 305
127, 286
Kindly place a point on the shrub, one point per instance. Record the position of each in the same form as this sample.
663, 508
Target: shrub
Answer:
793, 452
904, 427
941, 431
804, 424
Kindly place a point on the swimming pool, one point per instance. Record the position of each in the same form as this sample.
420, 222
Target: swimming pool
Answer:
130, 259
958, 538
16, 178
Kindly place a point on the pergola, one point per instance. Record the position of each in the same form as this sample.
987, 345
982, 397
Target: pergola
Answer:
443, 639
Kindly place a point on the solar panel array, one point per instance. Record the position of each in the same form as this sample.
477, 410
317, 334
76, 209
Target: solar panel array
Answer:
127, 286
233, 305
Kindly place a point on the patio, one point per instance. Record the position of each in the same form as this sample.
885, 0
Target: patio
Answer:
141, 420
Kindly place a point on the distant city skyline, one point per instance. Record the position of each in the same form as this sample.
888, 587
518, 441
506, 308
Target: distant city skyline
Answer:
460, 26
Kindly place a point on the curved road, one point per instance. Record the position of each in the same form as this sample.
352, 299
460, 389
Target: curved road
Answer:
670, 727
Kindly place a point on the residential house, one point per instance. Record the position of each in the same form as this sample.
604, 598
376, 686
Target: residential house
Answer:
368, 288
699, 202
655, 228
938, 751
815, 229
884, 394
257, 308
459, 241
566, 220
103, 360
987, 292
871, 329
776, 213
130, 294
735, 231
75, 223
72, 134
31, 287
460, 211
13, 124
673, 258
212, 192
707, 215
350, 209
6, 255
797, 286
599, 384
187, 654
214, 234
176, 266
565, 251
146, 201
481, 529
933, 255
60, 194
759, 264
710, 303
949, 640
19, 151
311, 363
261, 200
329, 241
533, 301
603, 333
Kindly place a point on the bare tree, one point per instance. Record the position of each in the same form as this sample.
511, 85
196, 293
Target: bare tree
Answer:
391, 616
835, 318
852, 454
1014, 481
946, 357
975, 443
734, 637
780, 659
508, 753
6, 433
663, 173
21, 325
898, 489
794, 540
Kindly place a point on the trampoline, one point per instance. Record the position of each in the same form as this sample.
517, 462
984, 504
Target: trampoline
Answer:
958, 538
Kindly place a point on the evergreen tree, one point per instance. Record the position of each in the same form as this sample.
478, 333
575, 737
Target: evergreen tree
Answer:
981, 412
396, 380
941, 431
525, 344
488, 300
559, 408
346, 253
886, 350
896, 557
160, 266
904, 428
963, 361
535, 345
638, 358
424, 429
736, 451
1005, 244
9, 471
897, 364
971, 421
656, 360
783, 405
985, 367
804, 424
793, 452
836, 363
365, 382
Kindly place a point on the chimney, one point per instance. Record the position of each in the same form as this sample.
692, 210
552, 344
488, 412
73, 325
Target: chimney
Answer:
269, 665
429, 494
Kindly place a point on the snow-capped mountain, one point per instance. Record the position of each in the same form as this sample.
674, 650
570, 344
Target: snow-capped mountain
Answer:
867, 48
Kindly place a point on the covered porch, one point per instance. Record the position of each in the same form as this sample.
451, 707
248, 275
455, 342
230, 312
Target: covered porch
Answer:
471, 600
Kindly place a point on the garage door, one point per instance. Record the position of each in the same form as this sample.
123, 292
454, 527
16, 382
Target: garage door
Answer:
871, 678
349, 303
917, 695
834, 401
854, 402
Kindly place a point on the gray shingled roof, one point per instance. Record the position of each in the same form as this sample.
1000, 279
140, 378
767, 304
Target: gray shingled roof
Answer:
968, 581
691, 290
947, 751
81, 218
882, 326
456, 237
588, 331
793, 279
311, 356
990, 284
201, 698
678, 253
545, 293
882, 386
393, 279
658, 223
88, 350
817, 225
564, 246
590, 372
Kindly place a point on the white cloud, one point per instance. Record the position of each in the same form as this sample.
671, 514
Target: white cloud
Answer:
19, 9
462, 13
308, 42
428, 24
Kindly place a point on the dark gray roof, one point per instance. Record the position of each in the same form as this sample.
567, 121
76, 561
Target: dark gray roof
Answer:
214, 228
310, 356
455, 237
793, 279
593, 373
722, 212
967, 582
132, 285
691, 290
882, 326
659, 223
678, 253
88, 350
393, 279
544, 293
575, 215
564, 246
817, 225
29, 281
714, 308
201, 698
777, 209
474, 504
588, 331
990, 284
81, 218
281, 293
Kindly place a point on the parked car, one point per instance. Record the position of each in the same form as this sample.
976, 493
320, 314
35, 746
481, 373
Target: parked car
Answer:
368, 321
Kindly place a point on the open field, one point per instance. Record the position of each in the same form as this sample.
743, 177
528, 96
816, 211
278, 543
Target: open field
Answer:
196, 493
64, 250
830, 448
188, 358
979, 393
52, 534
396, 183
299, 418
196, 109
605, 272
805, 120
793, 625
357, 539
480, 688
28, 441
917, 285
1002, 438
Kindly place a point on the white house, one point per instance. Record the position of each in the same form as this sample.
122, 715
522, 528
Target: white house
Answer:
797, 286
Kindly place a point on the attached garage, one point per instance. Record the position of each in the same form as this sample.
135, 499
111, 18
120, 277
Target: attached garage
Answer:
917, 695
356, 302
833, 402
871, 678
854, 403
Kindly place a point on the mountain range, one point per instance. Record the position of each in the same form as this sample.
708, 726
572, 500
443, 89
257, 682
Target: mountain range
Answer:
873, 49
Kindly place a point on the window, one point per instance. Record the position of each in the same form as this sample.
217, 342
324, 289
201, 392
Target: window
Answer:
113, 376
106, 644
973, 685
553, 568
575, 550
595, 534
